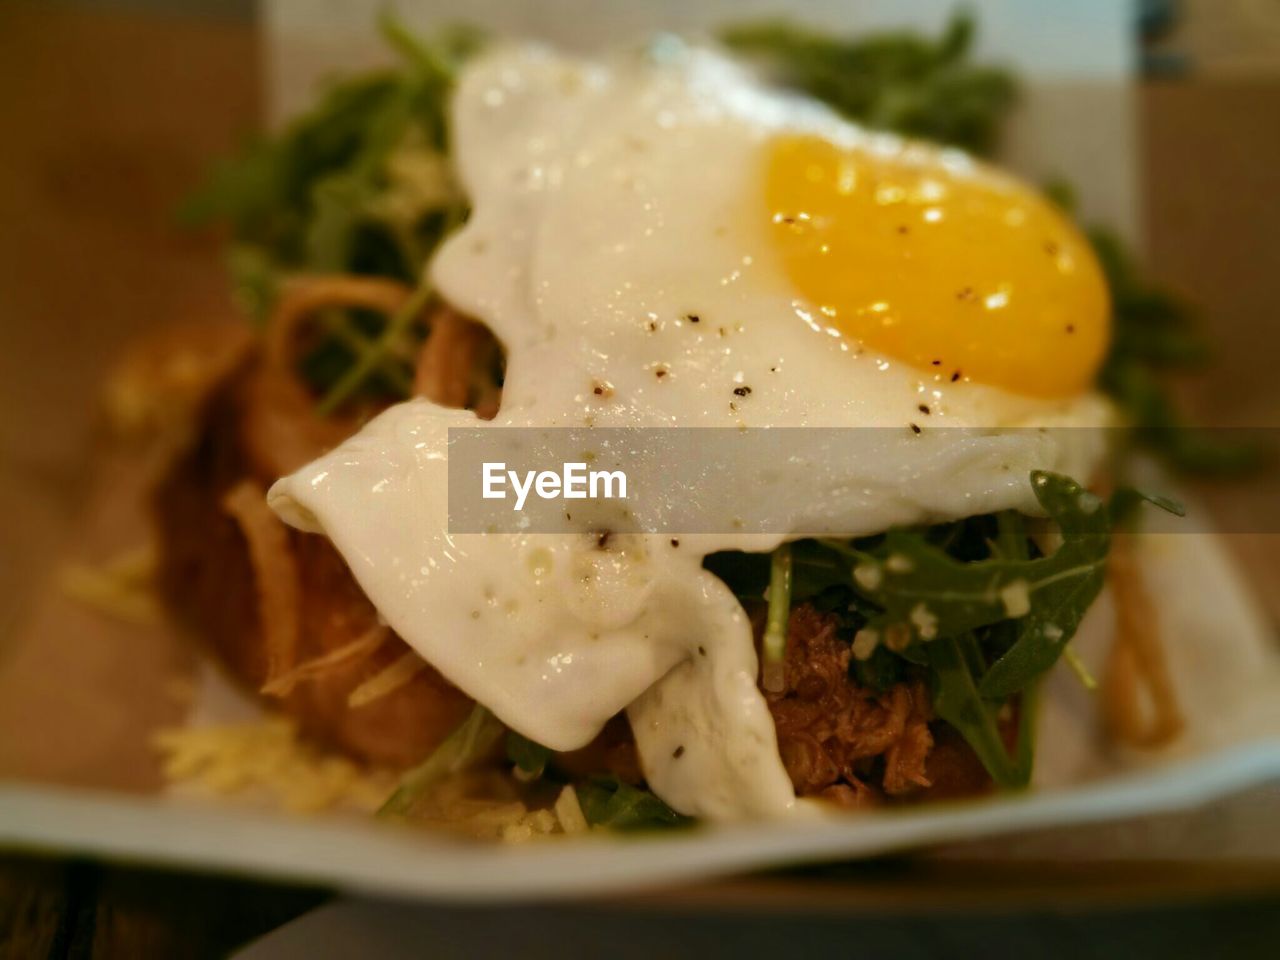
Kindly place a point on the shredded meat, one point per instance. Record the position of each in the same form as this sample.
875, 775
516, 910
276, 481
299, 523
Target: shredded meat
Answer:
830, 729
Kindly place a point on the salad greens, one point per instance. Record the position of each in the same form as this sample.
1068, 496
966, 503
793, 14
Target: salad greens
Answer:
606, 800
613, 803
361, 184
468, 745
892, 81
528, 757
973, 605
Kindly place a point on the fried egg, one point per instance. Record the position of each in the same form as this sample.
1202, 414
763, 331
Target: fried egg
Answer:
661, 240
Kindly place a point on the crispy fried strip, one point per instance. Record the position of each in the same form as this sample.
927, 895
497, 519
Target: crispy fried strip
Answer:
1137, 659
385, 681
306, 295
449, 358
359, 648
275, 573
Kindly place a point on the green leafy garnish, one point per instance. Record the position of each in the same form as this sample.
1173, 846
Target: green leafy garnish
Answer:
954, 664
529, 758
468, 745
1126, 501
891, 81
361, 184
607, 801
924, 593
971, 605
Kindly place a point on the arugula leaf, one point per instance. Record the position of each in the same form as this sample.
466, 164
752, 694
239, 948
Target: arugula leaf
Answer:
473, 741
1043, 635
891, 81
529, 757
360, 184
610, 802
924, 593
957, 700
972, 603
878, 672
1125, 502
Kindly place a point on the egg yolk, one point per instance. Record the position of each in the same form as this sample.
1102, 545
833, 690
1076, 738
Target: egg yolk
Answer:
927, 257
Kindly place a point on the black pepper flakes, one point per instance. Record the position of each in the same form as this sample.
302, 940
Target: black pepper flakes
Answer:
936, 363
924, 408
660, 372
675, 541
678, 752
955, 376
702, 651
903, 229
692, 317
914, 429
602, 541
966, 294
742, 391
1071, 328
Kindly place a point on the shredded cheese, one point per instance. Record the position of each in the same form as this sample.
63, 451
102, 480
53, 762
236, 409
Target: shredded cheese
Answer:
270, 757
362, 646
119, 588
385, 681
569, 812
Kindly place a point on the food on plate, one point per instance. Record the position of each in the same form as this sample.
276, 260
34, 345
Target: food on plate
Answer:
500, 235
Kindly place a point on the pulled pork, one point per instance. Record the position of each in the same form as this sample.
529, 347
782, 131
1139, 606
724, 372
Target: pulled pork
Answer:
836, 737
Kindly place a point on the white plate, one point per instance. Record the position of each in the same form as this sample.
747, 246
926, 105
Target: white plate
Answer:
1222, 655
371, 857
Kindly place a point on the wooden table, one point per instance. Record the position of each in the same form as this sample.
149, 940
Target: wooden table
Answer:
110, 118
